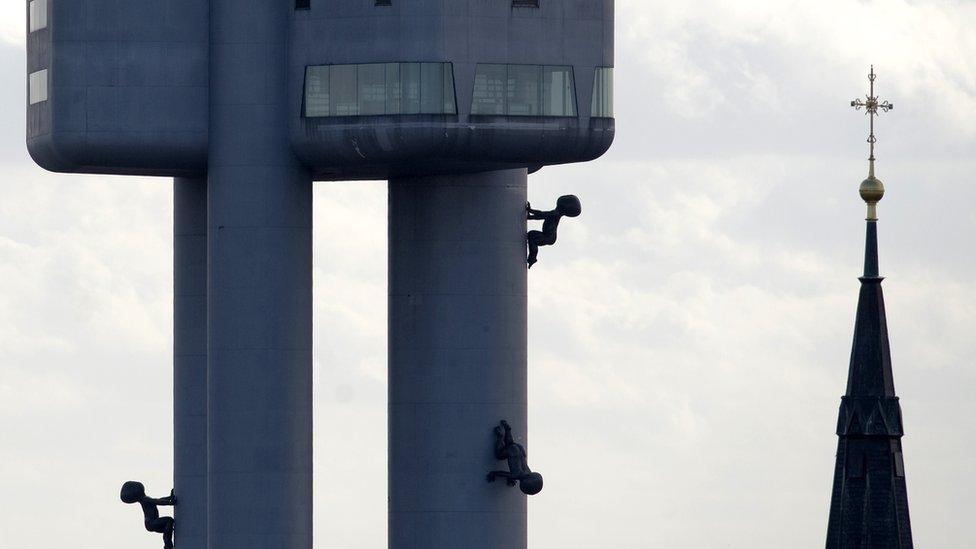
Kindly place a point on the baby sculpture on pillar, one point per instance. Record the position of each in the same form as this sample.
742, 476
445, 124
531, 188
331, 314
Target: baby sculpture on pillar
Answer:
567, 205
135, 492
518, 469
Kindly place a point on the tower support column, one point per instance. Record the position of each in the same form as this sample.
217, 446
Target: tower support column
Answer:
457, 357
260, 289
190, 360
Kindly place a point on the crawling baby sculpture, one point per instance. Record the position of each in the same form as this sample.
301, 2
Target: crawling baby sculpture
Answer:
135, 492
518, 469
568, 206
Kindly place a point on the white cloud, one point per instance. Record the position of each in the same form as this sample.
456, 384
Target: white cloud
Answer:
13, 26
699, 73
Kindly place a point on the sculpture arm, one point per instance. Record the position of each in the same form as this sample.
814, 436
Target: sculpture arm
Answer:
541, 215
533, 213
503, 474
166, 501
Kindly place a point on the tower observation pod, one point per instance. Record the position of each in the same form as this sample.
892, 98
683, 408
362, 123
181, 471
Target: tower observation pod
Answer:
246, 103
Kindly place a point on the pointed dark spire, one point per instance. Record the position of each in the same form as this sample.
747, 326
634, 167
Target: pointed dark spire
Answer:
870, 367
869, 504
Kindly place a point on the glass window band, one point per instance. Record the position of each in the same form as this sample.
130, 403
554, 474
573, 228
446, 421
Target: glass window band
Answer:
524, 90
372, 89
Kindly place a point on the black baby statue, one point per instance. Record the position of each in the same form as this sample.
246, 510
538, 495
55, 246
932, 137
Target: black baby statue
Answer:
518, 470
567, 205
135, 492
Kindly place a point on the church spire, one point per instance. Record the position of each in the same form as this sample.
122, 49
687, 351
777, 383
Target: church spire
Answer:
869, 504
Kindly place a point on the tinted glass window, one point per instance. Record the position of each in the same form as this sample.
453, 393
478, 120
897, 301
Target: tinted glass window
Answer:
317, 91
37, 86
379, 89
372, 89
344, 99
490, 83
603, 93
394, 93
431, 87
524, 90
558, 91
38, 14
410, 88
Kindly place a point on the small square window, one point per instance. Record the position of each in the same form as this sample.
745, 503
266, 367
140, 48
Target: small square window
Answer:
37, 86
384, 2
38, 14
303, 4
525, 3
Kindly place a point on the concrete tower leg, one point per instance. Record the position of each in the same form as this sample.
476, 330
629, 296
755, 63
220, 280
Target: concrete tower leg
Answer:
190, 360
260, 289
457, 358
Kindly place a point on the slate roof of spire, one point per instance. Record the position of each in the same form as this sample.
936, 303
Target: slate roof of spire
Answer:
869, 504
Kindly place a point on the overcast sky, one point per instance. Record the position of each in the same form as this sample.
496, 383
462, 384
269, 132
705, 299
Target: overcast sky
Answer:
689, 334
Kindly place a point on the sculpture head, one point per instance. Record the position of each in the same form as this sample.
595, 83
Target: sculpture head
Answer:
569, 205
132, 492
531, 484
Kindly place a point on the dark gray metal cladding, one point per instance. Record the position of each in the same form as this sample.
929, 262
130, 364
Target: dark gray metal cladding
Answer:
190, 359
458, 357
128, 87
385, 147
464, 33
259, 234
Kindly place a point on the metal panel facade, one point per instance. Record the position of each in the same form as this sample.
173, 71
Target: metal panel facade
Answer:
128, 87
129, 84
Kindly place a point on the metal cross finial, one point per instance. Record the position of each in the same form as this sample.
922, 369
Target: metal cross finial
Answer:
871, 106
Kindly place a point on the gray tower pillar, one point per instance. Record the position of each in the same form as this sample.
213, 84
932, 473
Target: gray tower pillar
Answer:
260, 289
190, 360
457, 358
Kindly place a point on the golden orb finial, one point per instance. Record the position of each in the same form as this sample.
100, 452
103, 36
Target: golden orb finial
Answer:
872, 191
